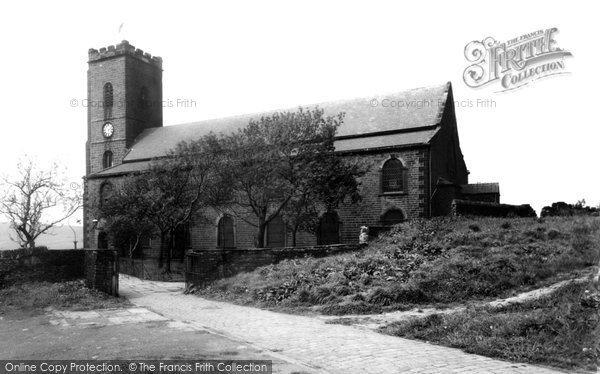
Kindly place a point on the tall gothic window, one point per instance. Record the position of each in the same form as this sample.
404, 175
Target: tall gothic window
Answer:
107, 159
329, 229
182, 240
102, 240
276, 233
393, 176
225, 233
108, 100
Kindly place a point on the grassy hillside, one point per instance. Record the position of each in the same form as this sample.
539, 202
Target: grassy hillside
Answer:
59, 238
554, 330
441, 262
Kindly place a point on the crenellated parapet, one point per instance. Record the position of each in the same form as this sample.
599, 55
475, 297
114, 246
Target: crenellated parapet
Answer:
123, 48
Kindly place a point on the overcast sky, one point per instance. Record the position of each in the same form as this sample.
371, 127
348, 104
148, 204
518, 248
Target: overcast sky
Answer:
540, 142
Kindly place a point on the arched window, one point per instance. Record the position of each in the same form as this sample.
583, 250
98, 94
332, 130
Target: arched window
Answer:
393, 177
276, 233
106, 192
108, 100
329, 229
225, 233
102, 240
107, 159
392, 217
182, 240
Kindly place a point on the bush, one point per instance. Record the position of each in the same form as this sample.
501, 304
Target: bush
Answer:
381, 296
553, 234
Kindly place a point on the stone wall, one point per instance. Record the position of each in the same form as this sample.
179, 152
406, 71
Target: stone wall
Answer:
476, 208
40, 265
413, 201
98, 268
202, 267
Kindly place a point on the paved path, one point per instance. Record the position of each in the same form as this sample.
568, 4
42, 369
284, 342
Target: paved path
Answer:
376, 321
327, 348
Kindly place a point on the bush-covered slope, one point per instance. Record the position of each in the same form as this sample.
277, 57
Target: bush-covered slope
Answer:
437, 261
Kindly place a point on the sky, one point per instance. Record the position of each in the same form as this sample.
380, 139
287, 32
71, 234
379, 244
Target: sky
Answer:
539, 142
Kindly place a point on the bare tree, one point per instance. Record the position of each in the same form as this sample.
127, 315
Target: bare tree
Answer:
35, 201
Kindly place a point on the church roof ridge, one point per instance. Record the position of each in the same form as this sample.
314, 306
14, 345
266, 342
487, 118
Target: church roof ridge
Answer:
411, 114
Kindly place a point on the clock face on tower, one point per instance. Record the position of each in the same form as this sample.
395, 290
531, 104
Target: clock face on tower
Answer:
107, 130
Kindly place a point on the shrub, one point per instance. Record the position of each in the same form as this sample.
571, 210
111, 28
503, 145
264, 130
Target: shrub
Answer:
381, 296
553, 234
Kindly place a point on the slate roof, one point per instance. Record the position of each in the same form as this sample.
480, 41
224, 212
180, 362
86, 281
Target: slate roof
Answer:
480, 188
413, 109
125, 168
398, 119
385, 140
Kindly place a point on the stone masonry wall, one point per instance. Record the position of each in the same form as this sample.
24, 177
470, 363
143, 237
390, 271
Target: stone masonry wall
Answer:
413, 202
486, 209
374, 204
202, 267
99, 268
40, 265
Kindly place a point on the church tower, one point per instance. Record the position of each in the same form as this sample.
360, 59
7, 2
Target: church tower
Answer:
124, 97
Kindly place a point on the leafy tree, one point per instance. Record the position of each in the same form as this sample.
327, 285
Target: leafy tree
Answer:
326, 184
126, 221
36, 200
280, 160
170, 194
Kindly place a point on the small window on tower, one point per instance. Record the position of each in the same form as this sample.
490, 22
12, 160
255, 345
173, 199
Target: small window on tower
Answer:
106, 192
108, 100
107, 160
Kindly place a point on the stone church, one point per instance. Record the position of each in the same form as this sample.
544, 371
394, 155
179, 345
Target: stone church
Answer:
409, 140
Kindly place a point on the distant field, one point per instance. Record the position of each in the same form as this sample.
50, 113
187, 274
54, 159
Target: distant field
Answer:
60, 237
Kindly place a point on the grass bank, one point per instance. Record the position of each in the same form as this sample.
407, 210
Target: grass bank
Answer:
424, 262
31, 298
553, 330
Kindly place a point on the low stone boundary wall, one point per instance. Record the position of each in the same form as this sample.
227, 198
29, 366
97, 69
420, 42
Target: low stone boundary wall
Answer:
148, 269
40, 264
99, 268
479, 208
202, 267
